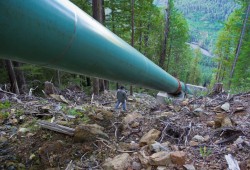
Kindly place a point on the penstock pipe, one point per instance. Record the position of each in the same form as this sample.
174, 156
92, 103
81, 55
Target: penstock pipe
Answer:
57, 34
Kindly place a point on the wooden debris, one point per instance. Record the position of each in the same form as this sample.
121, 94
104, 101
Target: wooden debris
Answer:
232, 163
57, 128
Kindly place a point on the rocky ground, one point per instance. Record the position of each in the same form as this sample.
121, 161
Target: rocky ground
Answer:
76, 131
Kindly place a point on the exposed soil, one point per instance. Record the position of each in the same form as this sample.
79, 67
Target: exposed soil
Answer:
25, 145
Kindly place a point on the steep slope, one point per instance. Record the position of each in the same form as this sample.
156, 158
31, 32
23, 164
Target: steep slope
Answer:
205, 18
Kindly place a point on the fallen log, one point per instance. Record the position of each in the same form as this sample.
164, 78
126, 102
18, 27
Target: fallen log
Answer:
58, 128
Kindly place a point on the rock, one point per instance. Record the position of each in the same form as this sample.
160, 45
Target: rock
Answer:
23, 130
174, 147
135, 124
136, 166
130, 118
157, 147
88, 132
206, 138
161, 168
134, 146
189, 167
198, 111
160, 158
32, 156
150, 137
210, 123
225, 106
184, 103
120, 162
3, 139
166, 115
178, 157
240, 140
198, 138
13, 121
193, 143
30, 134
144, 159
226, 122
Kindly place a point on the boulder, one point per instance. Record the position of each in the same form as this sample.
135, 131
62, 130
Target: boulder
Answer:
178, 157
150, 137
198, 138
210, 123
130, 119
193, 143
160, 158
198, 111
136, 166
143, 156
120, 162
89, 132
225, 106
226, 122
157, 147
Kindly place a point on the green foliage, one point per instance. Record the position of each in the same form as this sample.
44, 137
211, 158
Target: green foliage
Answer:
204, 152
194, 76
79, 114
226, 47
31, 125
148, 25
179, 53
4, 115
205, 18
5, 105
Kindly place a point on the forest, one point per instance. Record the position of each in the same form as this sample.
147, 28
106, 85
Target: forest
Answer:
64, 65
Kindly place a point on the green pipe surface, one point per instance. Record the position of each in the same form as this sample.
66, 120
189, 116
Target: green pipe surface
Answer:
57, 34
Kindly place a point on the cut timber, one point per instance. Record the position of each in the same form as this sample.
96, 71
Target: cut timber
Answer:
57, 128
218, 88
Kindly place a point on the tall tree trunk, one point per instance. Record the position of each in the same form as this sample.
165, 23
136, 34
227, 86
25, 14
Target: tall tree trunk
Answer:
106, 84
132, 33
166, 32
146, 38
12, 76
19, 76
88, 81
169, 57
239, 45
217, 78
98, 15
95, 86
57, 78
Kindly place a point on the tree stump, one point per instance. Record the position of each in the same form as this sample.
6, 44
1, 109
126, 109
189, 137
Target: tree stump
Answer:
218, 88
49, 88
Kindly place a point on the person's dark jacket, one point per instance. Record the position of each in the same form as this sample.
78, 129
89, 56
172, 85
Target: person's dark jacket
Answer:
121, 95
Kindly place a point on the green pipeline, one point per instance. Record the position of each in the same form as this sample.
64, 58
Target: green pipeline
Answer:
57, 34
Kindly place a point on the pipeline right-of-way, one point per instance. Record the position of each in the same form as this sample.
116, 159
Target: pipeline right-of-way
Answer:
57, 34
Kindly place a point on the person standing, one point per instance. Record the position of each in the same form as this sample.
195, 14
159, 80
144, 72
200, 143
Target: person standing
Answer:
121, 98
